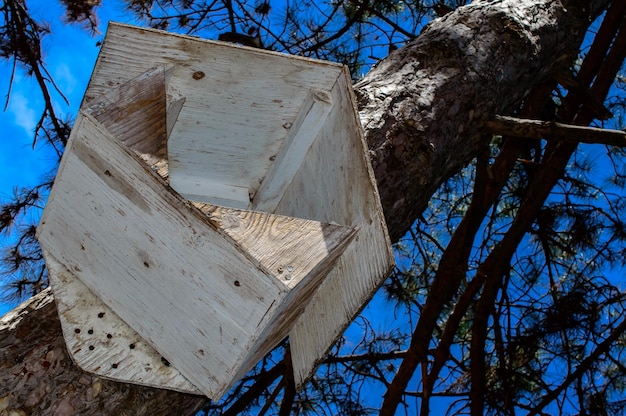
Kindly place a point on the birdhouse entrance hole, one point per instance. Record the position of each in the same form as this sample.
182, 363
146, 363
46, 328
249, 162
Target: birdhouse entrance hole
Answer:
212, 200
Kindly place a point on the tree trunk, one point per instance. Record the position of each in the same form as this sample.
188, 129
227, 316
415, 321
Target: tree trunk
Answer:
38, 377
424, 106
422, 109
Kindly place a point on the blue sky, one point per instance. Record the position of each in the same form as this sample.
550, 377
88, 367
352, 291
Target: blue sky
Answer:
70, 53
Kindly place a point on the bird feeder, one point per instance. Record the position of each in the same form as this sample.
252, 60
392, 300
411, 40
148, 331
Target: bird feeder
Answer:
212, 200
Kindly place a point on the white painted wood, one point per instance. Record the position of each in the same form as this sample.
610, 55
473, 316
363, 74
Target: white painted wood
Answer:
302, 133
212, 192
292, 249
231, 121
304, 257
122, 242
238, 103
135, 113
337, 185
100, 342
173, 110
152, 258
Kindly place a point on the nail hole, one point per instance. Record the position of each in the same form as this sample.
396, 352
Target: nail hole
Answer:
114, 365
109, 336
131, 346
101, 315
90, 332
77, 330
91, 348
237, 283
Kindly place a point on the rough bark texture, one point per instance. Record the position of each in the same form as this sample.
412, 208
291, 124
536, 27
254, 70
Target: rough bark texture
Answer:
422, 109
37, 376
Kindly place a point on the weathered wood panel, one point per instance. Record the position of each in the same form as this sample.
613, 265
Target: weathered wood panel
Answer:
242, 124
152, 266
299, 262
134, 113
292, 249
102, 343
338, 173
152, 258
238, 103
302, 133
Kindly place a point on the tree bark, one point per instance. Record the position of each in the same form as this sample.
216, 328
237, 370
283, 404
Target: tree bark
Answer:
422, 109
424, 106
38, 377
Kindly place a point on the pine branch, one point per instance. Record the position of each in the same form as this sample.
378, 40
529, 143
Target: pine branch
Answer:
581, 369
373, 356
551, 130
289, 386
262, 383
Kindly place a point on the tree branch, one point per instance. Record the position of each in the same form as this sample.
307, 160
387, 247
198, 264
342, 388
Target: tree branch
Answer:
584, 365
382, 356
407, 137
263, 381
501, 169
551, 130
499, 259
289, 385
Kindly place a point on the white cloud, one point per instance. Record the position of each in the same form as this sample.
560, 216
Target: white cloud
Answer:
24, 115
64, 78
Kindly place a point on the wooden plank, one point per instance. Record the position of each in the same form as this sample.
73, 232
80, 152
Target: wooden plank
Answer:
173, 110
337, 185
237, 100
210, 191
237, 110
293, 249
154, 259
134, 113
255, 233
148, 90
301, 261
297, 253
302, 133
102, 343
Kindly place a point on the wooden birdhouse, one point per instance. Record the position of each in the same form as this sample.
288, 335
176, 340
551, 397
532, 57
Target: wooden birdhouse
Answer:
212, 200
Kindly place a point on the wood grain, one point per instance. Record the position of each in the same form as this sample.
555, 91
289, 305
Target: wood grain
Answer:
134, 113
340, 175
238, 102
302, 133
151, 279
100, 342
154, 260
239, 124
